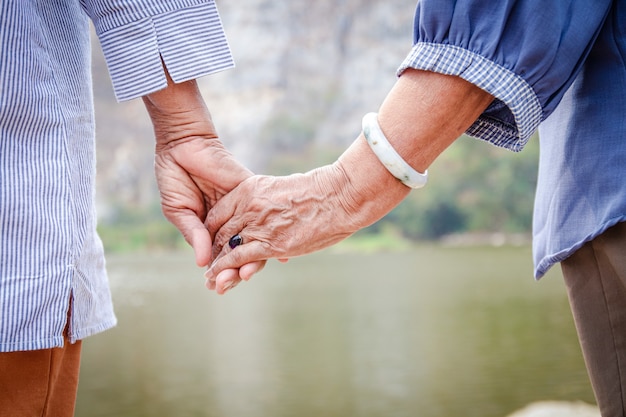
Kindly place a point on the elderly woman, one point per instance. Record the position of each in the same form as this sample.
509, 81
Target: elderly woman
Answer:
497, 71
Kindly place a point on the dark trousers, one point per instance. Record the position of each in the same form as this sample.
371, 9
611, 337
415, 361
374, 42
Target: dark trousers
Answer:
595, 277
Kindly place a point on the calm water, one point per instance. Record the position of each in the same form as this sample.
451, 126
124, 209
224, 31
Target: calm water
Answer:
431, 332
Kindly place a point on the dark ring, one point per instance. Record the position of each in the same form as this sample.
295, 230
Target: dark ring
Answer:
235, 241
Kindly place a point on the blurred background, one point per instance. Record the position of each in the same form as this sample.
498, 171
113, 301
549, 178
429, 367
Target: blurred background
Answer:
432, 311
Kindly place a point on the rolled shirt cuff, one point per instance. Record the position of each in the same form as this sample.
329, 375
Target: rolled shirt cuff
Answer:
515, 113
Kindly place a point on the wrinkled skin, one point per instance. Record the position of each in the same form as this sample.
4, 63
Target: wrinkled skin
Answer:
192, 167
282, 217
289, 216
187, 194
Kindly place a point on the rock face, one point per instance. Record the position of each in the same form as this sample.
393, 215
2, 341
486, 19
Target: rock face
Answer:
306, 73
558, 409
316, 65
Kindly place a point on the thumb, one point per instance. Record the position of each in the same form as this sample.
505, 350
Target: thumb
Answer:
200, 241
196, 234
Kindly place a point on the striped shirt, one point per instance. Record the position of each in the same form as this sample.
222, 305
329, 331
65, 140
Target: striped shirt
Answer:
50, 254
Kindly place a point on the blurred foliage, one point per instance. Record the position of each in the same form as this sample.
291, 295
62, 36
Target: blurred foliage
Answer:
288, 133
134, 228
474, 187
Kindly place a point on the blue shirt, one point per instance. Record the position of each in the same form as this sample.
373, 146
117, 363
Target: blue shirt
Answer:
50, 254
559, 66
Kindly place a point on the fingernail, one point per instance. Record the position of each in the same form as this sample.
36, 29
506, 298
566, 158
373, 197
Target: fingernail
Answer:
229, 285
209, 283
209, 273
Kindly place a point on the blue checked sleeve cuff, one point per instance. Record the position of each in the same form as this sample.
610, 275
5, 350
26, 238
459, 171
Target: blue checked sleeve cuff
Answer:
515, 113
190, 41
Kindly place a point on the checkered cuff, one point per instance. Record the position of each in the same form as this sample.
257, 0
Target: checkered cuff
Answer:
515, 113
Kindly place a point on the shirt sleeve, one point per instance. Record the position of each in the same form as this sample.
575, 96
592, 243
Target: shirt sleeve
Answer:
526, 53
139, 36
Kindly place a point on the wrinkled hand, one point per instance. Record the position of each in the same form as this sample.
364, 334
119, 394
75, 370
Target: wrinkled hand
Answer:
193, 169
290, 216
192, 175
278, 217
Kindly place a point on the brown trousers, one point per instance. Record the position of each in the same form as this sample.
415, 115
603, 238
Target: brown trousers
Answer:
595, 277
40, 383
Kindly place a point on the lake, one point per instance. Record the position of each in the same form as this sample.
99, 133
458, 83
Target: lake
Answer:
429, 332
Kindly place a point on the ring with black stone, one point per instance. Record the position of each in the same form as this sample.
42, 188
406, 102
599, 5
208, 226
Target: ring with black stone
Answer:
235, 241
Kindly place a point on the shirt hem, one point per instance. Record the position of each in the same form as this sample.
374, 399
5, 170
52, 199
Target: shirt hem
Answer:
547, 262
93, 330
57, 341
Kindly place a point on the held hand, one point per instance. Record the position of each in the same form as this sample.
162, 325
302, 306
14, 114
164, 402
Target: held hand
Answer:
192, 176
290, 216
193, 169
282, 217
278, 217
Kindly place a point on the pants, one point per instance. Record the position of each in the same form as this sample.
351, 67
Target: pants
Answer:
595, 277
40, 383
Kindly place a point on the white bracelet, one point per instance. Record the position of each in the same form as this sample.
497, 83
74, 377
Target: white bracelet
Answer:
388, 156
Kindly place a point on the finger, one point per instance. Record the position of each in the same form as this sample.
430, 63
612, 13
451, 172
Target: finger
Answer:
201, 244
218, 216
248, 270
226, 280
226, 275
198, 237
210, 284
245, 273
222, 211
225, 236
247, 253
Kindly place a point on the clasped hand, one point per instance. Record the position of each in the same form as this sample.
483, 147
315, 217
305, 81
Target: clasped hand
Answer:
205, 192
276, 217
193, 169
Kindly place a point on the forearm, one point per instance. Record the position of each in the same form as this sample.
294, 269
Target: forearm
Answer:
421, 116
282, 217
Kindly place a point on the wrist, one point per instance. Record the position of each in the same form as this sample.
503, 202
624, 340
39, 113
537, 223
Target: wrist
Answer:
388, 156
179, 113
368, 189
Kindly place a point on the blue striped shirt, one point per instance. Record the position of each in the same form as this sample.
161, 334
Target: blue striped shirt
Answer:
50, 254
553, 65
